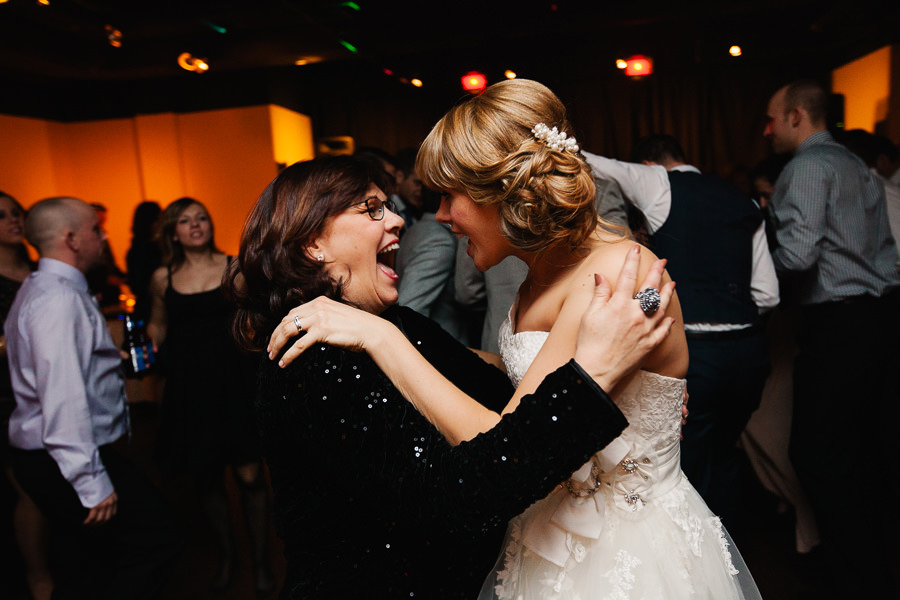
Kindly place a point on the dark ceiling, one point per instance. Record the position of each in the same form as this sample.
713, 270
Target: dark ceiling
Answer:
48, 50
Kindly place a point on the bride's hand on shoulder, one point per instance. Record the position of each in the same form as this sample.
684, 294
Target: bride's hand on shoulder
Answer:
327, 321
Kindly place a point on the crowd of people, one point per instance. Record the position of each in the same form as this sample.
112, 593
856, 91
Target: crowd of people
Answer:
444, 363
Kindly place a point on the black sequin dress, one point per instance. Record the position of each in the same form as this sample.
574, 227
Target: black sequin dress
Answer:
8, 289
371, 501
207, 418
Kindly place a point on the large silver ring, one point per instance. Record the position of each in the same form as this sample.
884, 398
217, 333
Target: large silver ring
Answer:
649, 300
297, 323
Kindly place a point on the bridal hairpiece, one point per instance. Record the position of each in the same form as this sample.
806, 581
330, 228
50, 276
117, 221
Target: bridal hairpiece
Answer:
554, 139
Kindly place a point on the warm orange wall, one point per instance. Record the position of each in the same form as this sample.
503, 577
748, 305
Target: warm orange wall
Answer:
223, 158
26, 159
292, 136
159, 153
866, 86
227, 160
98, 163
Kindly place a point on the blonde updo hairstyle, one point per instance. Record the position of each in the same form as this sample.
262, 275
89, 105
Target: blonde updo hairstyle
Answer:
485, 149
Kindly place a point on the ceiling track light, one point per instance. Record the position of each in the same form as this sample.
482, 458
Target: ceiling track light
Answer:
114, 36
638, 66
189, 62
474, 82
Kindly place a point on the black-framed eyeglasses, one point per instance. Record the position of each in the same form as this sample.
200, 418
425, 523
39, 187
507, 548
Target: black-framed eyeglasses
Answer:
375, 206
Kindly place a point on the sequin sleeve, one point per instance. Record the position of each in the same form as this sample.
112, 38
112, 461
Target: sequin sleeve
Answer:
484, 382
358, 472
484, 482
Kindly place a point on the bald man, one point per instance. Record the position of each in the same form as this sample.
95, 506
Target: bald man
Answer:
70, 423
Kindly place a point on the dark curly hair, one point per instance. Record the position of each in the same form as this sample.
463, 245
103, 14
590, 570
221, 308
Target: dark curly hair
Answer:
274, 271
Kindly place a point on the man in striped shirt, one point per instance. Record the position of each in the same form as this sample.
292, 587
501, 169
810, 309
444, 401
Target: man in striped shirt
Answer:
835, 252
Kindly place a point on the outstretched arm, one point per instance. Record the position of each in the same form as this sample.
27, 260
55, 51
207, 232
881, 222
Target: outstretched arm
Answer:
616, 337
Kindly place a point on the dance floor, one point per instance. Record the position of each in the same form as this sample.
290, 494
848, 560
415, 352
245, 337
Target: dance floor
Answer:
764, 536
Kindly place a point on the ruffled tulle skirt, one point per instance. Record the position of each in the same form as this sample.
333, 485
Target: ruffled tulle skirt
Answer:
672, 547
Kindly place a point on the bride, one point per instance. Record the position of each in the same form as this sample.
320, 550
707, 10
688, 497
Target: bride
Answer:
627, 524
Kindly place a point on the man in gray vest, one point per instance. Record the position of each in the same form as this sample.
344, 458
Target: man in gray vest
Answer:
714, 239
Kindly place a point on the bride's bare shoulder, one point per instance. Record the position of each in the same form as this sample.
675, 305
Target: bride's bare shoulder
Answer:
607, 257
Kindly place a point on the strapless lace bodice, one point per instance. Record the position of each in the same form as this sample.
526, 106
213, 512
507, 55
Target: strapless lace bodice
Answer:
650, 402
626, 525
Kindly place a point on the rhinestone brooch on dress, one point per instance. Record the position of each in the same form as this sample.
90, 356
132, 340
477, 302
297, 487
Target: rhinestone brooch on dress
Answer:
633, 498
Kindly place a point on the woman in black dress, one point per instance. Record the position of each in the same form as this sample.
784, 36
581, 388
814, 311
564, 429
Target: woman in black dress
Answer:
207, 419
371, 499
31, 528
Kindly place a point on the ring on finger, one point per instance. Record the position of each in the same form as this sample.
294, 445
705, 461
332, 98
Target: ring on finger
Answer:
649, 300
297, 323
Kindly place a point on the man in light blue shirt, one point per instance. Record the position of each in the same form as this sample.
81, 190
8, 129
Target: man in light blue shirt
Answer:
71, 410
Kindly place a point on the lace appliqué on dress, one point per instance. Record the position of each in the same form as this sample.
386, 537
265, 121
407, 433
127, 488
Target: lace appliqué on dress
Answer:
512, 562
629, 525
621, 577
723, 543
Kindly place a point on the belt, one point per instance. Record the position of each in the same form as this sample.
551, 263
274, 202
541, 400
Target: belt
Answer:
728, 334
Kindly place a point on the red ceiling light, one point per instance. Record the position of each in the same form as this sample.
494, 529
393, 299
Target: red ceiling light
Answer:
638, 65
474, 81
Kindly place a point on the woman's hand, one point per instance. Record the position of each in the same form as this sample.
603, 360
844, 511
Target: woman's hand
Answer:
324, 320
615, 334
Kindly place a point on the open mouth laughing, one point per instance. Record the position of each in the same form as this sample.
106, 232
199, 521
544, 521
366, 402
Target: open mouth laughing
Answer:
385, 259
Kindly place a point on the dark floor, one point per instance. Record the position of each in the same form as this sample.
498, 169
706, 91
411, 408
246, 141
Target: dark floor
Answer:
765, 539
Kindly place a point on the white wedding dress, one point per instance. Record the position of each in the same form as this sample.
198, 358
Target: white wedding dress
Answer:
628, 525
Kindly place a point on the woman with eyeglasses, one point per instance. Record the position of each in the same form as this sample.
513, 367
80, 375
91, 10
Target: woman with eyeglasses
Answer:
627, 523
207, 421
374, 495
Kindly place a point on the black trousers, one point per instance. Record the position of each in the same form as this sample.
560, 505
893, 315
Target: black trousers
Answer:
844, 433
725, 380
130, 556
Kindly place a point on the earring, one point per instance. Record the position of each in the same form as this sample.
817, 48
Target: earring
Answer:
320, 257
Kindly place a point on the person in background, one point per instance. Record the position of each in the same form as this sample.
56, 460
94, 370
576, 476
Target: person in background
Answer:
143, 256
407, 195
762, 183
714, 238
766, 439
872, 149
29, 525
105, 279
207, 420
887, 159
68, 433
426, 262
834, 246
